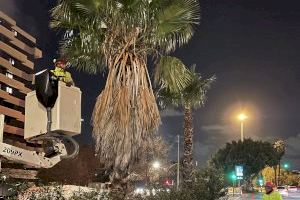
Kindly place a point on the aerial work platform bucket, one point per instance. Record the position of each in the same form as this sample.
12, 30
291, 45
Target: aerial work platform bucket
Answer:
66, 113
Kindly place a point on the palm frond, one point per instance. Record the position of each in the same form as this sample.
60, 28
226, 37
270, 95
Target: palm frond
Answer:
90, 8
176, 22
125, 113
190, 94
83, 51
171, 74
195, 94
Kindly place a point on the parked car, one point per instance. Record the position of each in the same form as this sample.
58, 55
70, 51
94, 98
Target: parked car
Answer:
282, 190
292, 189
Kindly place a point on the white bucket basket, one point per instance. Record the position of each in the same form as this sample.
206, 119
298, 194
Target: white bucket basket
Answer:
66, 113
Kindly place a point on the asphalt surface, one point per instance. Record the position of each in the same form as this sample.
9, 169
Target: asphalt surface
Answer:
291, 196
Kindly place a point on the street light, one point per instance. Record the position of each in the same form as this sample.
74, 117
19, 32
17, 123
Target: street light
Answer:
261, 183
233, 178
242, 117
156, 165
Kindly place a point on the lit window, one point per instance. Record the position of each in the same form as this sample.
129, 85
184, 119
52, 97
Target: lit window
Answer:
12, 61
9, 75
15, 32
9, 90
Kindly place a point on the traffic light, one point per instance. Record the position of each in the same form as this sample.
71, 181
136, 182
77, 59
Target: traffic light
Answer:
261, 182
233, 177
169, 182
286, 165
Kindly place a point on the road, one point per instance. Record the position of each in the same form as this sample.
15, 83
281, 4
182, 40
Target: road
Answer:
292, 196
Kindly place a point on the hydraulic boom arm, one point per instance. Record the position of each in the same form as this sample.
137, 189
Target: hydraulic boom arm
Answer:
32, 158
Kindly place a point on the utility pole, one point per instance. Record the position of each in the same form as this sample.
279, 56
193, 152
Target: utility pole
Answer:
178, 162
242, 117
242, 131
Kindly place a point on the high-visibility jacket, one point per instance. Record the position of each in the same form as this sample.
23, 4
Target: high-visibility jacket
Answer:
272, 196
62, 75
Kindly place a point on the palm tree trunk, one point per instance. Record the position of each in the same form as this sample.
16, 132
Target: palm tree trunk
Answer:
275, 175
188, 144
279, 173
119, 185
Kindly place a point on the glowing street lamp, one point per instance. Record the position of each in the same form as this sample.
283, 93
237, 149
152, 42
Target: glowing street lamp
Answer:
233, 177
285, 165
156, 165
242, 117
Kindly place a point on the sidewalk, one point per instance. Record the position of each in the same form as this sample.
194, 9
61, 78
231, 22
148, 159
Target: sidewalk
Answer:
251, 196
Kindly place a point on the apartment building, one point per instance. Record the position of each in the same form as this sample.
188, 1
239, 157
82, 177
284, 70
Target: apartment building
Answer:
17, 54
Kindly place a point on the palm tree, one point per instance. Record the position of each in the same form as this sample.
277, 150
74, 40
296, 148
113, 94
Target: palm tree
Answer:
280, 148
119, 36
188, 93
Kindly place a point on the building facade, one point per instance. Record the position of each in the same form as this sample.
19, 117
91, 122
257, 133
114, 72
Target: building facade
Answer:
17, 54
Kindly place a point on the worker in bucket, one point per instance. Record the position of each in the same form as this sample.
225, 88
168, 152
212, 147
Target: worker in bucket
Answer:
61, 73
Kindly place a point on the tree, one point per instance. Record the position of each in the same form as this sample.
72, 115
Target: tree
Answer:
119, 36
78, 171
188, 92
253, 155
268, 174
289, 178
154, 150
208, 184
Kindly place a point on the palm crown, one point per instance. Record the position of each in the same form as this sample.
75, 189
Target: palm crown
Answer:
187, 90
98, 29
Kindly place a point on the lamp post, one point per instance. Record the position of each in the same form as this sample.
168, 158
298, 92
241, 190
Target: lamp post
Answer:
242, 117
233, 178
178, 161
156, 165
286, 167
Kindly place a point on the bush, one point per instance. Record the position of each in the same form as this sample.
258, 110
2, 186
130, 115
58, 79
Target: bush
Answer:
89, 196
54, 193
15, 189
208, 184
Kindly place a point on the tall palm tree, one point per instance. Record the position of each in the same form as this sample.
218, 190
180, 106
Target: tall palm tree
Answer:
280, 148
188, 93
119, 36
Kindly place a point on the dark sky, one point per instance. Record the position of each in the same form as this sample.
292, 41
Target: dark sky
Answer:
252, 46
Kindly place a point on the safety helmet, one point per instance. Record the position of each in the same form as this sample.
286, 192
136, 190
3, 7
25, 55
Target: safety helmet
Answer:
59, 62
269, 184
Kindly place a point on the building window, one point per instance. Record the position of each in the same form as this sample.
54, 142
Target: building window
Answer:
12, 61
9, 90
9, 75
15, 32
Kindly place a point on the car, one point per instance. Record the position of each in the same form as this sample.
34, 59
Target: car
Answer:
282, 190
292, 189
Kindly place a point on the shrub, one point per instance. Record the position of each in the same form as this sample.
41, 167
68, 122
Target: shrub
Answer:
207, 184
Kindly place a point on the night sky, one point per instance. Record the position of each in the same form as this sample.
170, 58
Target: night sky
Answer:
252, 46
